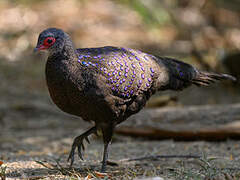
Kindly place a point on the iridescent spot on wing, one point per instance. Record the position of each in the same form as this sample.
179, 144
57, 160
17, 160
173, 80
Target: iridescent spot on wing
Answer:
130, 58
146, 57
131, 92
84, 63
152, 70
137, 58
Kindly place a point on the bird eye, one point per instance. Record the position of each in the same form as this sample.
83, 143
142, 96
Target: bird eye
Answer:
49, 41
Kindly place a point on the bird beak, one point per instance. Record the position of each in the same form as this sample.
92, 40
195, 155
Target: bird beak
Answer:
38, 48
35, 50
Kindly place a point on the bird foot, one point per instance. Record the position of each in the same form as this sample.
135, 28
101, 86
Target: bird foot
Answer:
78, 143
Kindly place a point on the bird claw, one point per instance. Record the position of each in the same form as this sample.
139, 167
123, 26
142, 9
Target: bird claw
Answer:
71, 156
86, 138
77, 143
80, 148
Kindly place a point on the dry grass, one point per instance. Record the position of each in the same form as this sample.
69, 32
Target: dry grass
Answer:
204, 168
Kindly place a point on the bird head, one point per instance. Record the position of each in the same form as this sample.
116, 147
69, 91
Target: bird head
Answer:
52, 40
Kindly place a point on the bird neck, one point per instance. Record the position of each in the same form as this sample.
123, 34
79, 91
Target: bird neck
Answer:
68, 49
67, 53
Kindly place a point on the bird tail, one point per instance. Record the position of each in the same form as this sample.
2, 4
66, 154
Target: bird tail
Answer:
182, 75
205, 78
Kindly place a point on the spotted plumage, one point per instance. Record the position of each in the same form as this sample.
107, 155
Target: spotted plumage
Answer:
126, 71
106, 85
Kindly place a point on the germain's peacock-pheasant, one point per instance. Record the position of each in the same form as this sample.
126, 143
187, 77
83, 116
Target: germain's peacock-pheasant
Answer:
108, 84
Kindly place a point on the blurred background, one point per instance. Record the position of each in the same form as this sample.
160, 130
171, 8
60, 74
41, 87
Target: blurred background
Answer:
203, 33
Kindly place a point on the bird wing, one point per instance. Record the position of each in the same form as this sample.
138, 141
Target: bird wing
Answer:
127, 72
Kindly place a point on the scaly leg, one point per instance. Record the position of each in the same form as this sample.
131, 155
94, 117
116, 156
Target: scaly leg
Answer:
105, 158
78, 143
107, 137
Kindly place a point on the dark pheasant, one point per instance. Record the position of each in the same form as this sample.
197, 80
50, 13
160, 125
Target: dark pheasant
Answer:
106, 85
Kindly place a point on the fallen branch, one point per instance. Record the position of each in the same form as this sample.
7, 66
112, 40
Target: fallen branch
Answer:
188, 123
156, 157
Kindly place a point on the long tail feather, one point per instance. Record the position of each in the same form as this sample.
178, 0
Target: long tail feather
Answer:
206, 78
182, 75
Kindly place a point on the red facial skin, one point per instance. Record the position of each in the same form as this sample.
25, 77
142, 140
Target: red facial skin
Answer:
48, 42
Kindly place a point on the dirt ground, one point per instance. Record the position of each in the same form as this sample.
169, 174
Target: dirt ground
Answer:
21, 153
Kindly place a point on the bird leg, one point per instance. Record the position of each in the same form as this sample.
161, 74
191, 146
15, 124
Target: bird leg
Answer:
105, 157
107, 137
78, 143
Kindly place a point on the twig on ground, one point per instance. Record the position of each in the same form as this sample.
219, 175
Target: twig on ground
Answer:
155, 157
